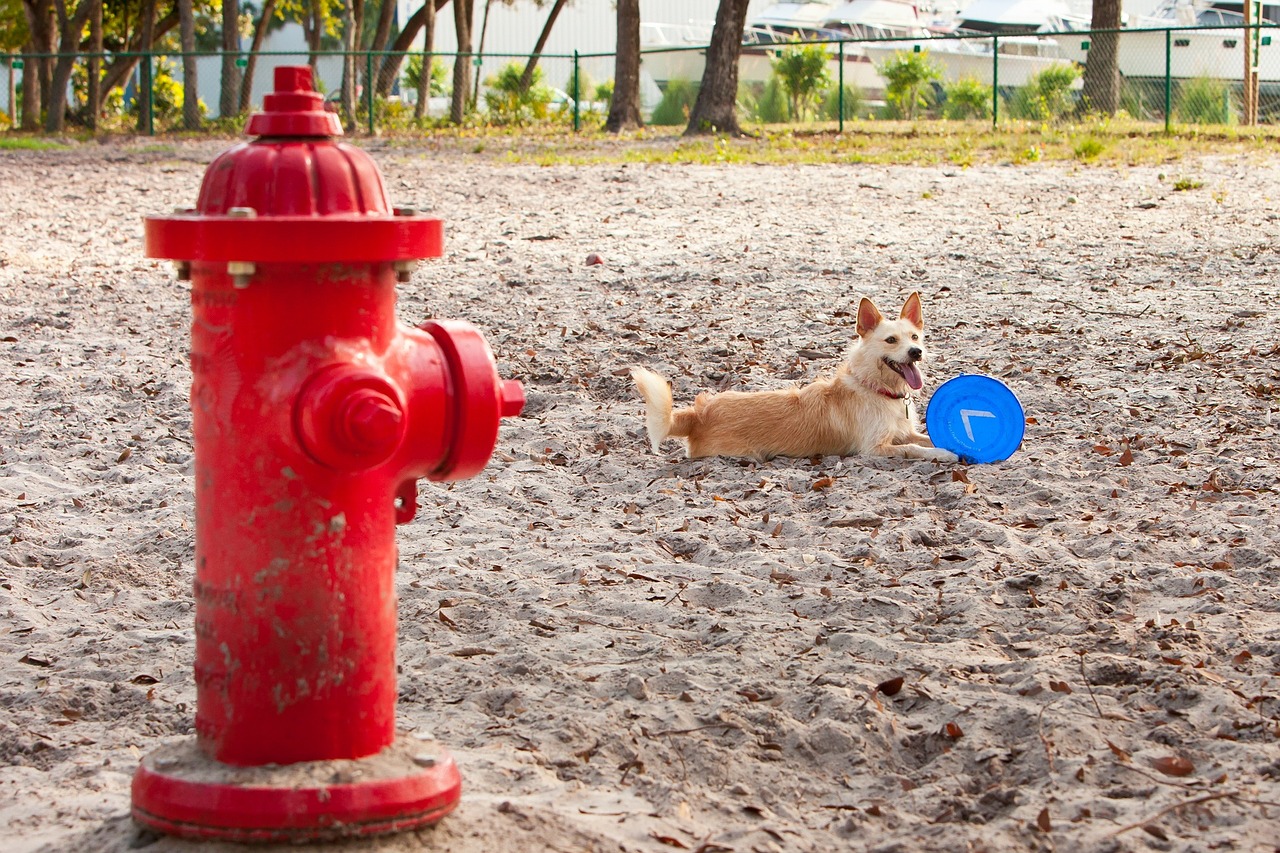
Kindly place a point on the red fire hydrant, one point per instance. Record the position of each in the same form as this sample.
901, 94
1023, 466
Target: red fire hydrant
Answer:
314, 413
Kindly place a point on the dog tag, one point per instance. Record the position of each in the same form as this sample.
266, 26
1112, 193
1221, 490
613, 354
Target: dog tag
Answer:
977, 418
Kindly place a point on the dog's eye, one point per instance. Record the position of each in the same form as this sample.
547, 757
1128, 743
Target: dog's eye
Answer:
915, 337
892, 339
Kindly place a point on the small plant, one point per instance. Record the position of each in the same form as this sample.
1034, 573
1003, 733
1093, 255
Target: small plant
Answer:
1184, 184
831, 103
166, 96
770, 106
1088, 148
584, 87
508, 105
1204, 100
966, 98
604, 92
1048, 94
907, 82
676, 102
802, 71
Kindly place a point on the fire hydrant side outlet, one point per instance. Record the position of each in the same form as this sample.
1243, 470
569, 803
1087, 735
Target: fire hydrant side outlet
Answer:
314, 411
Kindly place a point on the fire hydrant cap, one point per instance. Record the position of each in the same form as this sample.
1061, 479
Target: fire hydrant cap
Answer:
294, 195
294, 108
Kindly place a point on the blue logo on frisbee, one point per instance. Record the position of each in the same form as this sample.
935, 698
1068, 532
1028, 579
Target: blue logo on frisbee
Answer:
977, 418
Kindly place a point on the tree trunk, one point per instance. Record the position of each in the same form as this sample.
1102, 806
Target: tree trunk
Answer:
93, 94
353, 18
624, 111
190, 89
229, 96
392, 61
462, 12
120, 69
55, 119
259, 35
716, 109
314, 33
35, 79
526, 79
380, 35
1102, 70
484, 29
146, 36
428, 44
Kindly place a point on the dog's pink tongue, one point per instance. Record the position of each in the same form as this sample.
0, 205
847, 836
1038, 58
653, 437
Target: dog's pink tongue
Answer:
911, 373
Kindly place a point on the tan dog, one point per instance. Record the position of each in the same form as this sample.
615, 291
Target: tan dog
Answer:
864, 408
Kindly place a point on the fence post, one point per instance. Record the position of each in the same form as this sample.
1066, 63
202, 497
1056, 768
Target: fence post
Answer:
840, 92
369, 87
995, 81
577, 93
15, 63
1168, 81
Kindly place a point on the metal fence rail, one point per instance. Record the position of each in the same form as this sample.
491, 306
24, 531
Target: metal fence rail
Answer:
1193, 75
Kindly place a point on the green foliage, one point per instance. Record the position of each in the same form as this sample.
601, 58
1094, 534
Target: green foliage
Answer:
585, 85
166, 96
1048, 95
508, 105
438, 85
13, 26
907, 82
853, 103
677, 101
770, 105
966, 98
604, 92
802, 71
1088, 148
1204, 100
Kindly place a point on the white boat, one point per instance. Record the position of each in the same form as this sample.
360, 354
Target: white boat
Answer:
1212, 53
779, 25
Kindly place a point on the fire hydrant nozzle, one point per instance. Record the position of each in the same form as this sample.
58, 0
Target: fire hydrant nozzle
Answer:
314, 412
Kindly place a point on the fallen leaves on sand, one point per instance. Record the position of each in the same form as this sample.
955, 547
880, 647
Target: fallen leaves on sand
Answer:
1174, 765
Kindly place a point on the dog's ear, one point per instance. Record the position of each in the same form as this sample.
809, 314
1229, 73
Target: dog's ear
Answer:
868, 317
912, 312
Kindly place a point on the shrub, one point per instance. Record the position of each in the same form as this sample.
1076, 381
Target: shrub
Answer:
585, 85
770, 106
966, 98
437, 85
604, 92
166, 96
1088, 148
907, 77
677, 101
853, 103
1047, 95
801, 69
508, 105
1204, 100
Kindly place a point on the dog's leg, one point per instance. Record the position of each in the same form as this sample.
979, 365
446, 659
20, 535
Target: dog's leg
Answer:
916, 451
919, 438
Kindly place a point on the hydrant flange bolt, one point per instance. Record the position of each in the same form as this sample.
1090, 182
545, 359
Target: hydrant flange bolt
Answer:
241, 272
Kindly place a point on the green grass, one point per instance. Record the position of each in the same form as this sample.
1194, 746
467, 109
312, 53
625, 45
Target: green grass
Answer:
959, 144
30, 143
1113, 142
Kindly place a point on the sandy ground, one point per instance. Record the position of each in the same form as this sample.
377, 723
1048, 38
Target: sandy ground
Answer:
1076, 649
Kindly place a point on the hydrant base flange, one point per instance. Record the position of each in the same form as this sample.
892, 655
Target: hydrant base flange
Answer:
179, 791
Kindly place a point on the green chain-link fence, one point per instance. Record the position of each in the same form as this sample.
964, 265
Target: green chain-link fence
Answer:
1168, 76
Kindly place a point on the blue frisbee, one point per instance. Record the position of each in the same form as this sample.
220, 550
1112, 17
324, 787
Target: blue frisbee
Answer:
977, 418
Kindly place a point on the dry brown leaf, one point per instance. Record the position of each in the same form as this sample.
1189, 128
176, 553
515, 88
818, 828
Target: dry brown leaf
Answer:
1126, 458
1119, 753
1042, 821
668, 840
128, 451
1059, 687
823, 483
1174, 765
890, 687
953, 731
1102, 449
1242, 657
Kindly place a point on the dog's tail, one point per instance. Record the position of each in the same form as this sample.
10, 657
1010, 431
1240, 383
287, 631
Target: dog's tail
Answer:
657, 401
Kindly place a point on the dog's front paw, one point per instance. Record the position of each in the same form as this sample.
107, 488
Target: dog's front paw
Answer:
937, 454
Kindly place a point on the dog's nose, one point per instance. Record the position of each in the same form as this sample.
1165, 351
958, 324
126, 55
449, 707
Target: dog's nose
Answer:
915, 353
